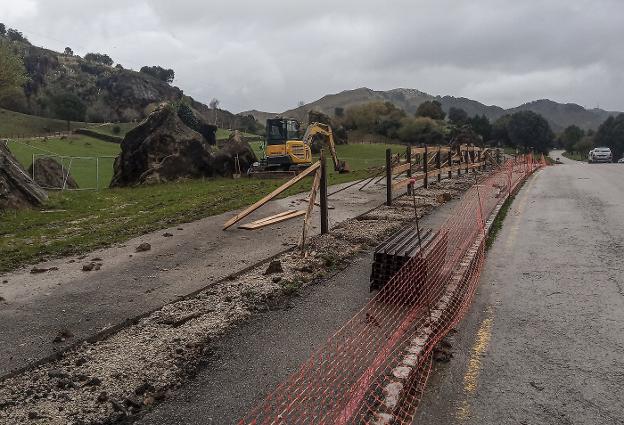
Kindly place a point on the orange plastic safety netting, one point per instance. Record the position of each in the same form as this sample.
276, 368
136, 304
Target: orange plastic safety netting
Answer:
375, 368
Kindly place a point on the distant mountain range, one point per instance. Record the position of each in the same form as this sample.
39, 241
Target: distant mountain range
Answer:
559, 115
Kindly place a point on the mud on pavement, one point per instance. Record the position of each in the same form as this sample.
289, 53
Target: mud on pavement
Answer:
119, 377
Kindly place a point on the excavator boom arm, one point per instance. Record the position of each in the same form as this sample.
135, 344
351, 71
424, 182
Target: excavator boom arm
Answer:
325, 130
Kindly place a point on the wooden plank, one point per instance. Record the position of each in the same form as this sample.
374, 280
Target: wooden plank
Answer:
273, 216
238, 217
401, 169
306, 220
267, 221
403, 183
418, 151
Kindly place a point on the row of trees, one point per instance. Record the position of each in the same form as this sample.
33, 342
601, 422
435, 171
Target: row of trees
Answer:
610, 134
525, 130
12, 34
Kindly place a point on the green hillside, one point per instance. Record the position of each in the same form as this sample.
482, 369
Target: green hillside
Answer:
15, 124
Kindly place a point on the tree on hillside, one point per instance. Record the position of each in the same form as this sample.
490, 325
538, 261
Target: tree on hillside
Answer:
570, 137
214, 104
457, 116
12, 71
611, 134
431, 109
481, 125
160, 73
15, 35
339, 112
420, 130
499, 130
2, 29
69, 51
68, 107
377, 117
104, 59
529, 130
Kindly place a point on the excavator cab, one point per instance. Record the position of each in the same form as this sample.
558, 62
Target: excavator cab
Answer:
284, 148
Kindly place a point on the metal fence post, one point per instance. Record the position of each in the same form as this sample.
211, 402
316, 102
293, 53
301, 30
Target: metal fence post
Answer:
439, 163
426, 167
408, 156
323, 200
388, 177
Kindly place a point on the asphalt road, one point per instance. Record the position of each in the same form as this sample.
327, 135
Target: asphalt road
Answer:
543, 342
37, 307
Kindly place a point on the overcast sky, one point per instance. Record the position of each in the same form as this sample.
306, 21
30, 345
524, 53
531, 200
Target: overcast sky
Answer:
270, 54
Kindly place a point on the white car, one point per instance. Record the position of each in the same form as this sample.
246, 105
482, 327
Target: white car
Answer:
600, 155
621, 161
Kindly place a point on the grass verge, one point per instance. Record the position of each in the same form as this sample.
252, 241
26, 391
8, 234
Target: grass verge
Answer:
497, 225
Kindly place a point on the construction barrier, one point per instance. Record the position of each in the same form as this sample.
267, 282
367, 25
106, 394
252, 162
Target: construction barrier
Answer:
375, 368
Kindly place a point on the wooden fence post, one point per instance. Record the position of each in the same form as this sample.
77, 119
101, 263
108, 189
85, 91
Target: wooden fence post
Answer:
450, 162
426, 167
323, 200
459, 160
388, 177
408, 156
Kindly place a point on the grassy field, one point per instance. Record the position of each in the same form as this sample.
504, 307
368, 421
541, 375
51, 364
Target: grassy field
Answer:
15, 124
83, 170
107, 128
76, 222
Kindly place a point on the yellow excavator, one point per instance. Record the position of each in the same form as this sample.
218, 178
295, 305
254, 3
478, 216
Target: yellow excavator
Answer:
286, 149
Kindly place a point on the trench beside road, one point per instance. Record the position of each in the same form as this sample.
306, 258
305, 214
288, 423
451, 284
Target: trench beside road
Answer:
39, 306
543, 341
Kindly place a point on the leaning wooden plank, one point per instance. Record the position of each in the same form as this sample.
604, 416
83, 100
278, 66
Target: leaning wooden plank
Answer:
306, 220
238, 217
271, 220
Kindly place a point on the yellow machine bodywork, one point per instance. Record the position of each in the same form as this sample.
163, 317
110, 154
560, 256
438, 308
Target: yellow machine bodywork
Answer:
299, 153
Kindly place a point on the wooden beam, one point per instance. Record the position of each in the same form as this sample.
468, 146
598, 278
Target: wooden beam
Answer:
267, 221
238, 217
403, 183
306, 220
400, 169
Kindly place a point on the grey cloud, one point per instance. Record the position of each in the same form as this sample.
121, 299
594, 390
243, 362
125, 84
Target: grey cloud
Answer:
271, 54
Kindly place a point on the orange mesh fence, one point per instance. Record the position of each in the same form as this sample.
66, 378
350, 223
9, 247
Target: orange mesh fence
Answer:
375, 368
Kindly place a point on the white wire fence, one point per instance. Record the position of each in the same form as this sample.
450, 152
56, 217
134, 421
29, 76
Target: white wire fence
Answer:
89, 172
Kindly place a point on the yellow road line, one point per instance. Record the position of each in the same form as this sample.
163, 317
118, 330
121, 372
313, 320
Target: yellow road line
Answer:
471, 377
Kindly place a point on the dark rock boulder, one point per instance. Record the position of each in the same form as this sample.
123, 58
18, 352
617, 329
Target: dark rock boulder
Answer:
49, 174
162, 148
225, 157
174, 143
17, 190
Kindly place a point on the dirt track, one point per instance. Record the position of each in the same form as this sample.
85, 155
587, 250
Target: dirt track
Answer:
543, 342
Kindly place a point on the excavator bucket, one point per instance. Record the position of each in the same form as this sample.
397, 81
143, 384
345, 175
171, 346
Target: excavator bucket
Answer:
343, 167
